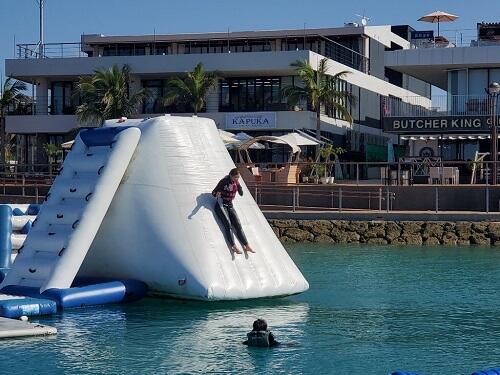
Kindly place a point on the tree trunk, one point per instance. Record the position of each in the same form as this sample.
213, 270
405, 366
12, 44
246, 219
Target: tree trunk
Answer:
318, 129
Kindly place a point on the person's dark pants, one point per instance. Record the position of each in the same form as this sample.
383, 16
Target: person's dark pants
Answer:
233, 221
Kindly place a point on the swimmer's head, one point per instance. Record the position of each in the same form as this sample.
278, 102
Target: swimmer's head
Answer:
260, 325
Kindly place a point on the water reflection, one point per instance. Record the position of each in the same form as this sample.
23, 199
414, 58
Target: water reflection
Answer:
369, 311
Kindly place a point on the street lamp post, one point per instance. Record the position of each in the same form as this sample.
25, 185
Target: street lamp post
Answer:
493, 92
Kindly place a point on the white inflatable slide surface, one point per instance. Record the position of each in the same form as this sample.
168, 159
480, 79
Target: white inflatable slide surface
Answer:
161, 227
70, 218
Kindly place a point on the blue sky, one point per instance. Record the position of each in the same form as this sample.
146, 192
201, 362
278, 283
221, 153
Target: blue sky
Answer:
66, 20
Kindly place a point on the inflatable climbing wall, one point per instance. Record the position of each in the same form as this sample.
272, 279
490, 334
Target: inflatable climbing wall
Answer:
133, 201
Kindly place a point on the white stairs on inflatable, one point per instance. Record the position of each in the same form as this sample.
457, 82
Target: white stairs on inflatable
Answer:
72, 214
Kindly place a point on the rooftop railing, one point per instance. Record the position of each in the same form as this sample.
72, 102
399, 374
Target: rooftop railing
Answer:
50, 50
455, 38
447, 105
332, 49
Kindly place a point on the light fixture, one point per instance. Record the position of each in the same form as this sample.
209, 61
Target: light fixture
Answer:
494, 88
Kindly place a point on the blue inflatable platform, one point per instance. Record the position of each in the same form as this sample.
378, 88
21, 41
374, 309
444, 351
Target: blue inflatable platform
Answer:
15, 307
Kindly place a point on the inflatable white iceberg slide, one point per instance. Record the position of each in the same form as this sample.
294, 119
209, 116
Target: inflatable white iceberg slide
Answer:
133, 201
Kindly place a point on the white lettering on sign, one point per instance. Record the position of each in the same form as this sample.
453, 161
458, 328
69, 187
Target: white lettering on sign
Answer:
252, 120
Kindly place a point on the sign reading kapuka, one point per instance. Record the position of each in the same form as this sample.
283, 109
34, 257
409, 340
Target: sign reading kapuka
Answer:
251, 120
427, 125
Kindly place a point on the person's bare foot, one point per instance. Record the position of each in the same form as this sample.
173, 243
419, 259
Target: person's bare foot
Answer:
248, 249
236, 250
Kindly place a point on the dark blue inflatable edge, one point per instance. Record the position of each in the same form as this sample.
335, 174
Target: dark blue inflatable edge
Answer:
493, 371
33, 209
403, 373
100, 136
5, 239
85, 295
15, 308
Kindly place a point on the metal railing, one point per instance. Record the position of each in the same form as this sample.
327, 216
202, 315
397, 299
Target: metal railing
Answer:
303, 198
408, 171
446, 105
332, 49
455, 38
50, 50
43, 105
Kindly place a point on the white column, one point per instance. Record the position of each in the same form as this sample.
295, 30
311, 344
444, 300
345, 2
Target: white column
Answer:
42, 96
213, 98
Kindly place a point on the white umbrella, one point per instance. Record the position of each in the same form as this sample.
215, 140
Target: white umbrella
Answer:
227, 137
298, 139
438, 17
67, 145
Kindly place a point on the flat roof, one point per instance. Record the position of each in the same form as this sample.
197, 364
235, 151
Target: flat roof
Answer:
223, 35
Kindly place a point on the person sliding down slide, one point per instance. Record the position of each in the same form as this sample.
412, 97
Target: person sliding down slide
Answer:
226, 190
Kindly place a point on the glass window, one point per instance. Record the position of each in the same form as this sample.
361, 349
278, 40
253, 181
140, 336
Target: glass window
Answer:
259, 94
457, 82
224, 96
252, 94
154, 103
494, 75
124, 51
62, 101
478, 81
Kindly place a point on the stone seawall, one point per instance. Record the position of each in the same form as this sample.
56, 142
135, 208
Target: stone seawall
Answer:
388, 232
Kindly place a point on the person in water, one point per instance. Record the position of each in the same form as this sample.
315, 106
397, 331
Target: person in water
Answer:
260, 335
226, 189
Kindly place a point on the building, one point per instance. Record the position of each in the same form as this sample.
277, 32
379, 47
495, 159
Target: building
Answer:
457, 125
253, 67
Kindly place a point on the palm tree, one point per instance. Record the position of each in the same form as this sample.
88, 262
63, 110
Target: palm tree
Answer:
320, 89
105, 95
10, 97
192, 90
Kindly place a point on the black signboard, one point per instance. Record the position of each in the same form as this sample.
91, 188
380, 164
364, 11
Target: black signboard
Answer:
437, 124
428, 34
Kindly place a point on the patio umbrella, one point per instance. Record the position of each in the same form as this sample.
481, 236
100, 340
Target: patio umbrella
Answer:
438, 17
298, 139
67, 145
227, 137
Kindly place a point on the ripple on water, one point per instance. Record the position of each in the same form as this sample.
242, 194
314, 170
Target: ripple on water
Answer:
369, 310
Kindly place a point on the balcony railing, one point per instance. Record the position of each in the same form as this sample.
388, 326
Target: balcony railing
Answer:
455, 38
50, 50
450, 105
332, 49
56, 105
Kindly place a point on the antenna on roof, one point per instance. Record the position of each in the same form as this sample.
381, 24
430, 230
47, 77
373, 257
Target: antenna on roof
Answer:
364, 19
41, 42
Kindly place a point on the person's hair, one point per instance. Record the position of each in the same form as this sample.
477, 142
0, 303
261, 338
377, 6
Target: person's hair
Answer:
260, 325
234, 172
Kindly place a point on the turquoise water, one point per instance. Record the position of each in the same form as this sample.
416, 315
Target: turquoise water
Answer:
370, 310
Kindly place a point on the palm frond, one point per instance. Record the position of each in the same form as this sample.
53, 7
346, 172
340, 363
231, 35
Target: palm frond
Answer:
105, 95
